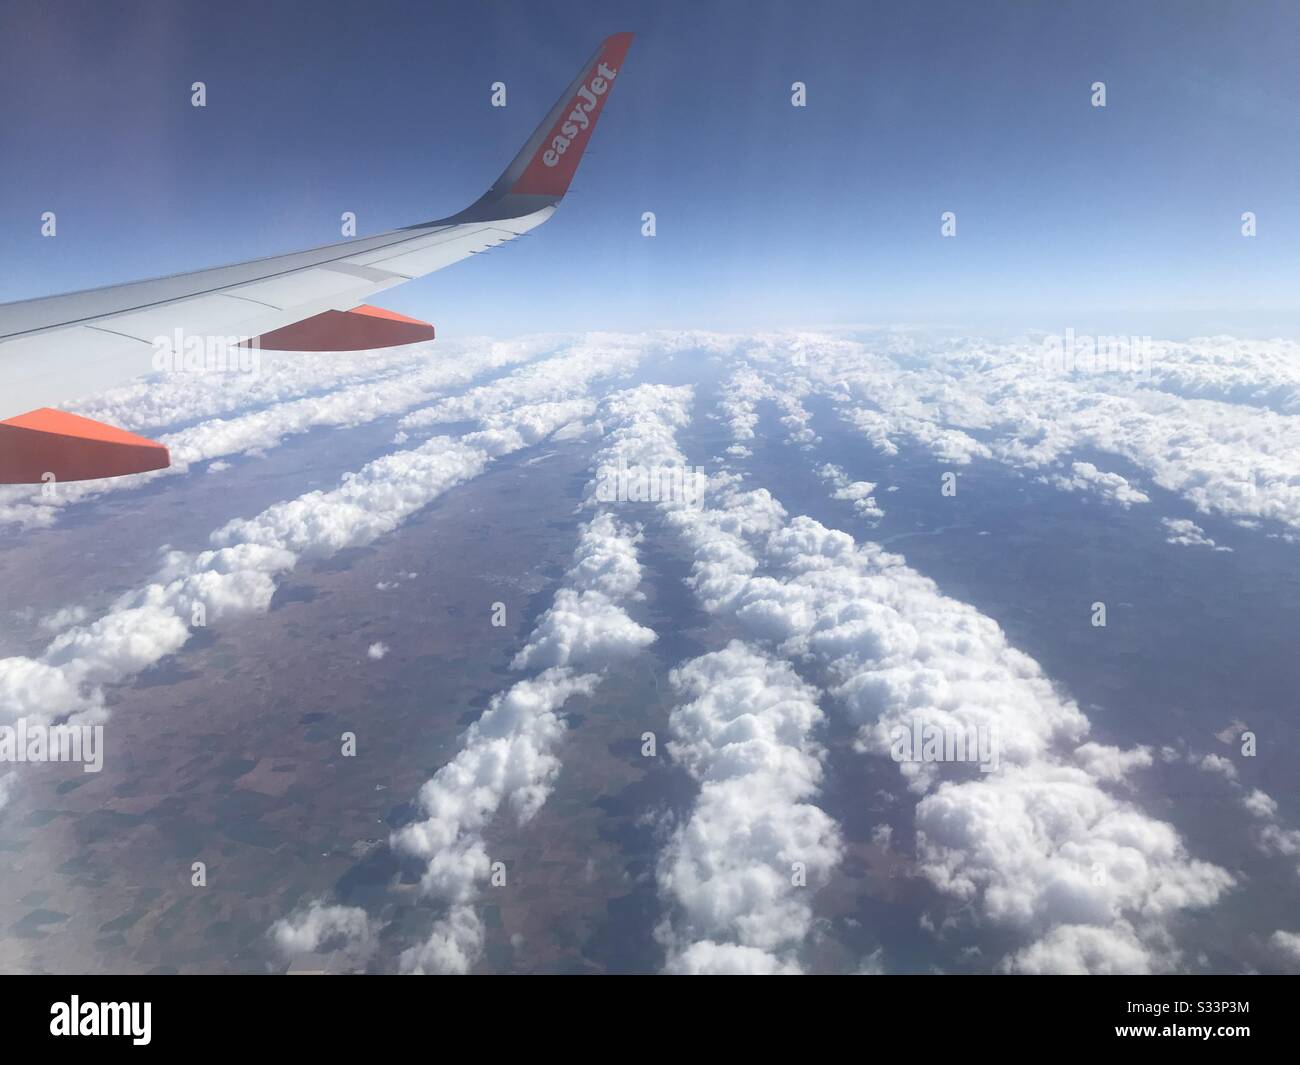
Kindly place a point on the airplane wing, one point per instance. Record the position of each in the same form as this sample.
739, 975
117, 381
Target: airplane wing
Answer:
59, 348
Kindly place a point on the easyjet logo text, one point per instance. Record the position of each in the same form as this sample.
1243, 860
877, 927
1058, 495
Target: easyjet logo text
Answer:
580, 117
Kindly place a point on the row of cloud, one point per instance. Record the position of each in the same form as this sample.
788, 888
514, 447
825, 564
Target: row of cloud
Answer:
508, 757
737, 873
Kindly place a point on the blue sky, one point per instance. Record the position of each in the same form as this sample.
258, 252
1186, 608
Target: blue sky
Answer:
1122, 219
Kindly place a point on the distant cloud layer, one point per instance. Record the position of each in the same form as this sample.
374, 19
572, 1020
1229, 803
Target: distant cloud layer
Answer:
1210, 420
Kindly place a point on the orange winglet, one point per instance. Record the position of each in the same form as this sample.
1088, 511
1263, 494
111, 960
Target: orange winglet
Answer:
359, 329
45, 442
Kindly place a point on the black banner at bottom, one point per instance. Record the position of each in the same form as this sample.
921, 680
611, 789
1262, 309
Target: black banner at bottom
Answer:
144, 1013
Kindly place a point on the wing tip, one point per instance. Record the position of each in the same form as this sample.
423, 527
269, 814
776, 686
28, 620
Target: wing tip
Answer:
558, 144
